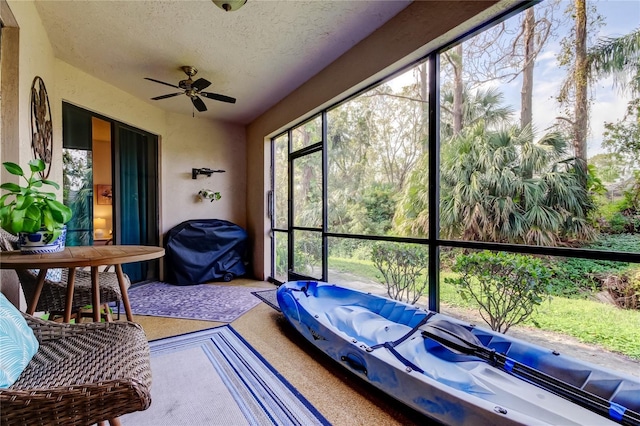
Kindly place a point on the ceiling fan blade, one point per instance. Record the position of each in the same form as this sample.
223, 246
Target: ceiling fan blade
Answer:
200, 84
170, 95
161, 82
197, 102
218, 97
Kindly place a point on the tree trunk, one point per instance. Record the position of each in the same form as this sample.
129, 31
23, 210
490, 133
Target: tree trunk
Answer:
457, 90
424, 93
526, 93
581, 121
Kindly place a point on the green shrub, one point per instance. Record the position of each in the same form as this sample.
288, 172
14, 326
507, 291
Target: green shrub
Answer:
632, 194
617, 223
608, 207
507, 287
402, 266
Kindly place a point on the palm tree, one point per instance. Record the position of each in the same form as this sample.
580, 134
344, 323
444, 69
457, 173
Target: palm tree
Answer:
412, 215
480, 104
78, 193
501, 186
618, 57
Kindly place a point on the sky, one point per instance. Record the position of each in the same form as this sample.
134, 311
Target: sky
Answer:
608, 104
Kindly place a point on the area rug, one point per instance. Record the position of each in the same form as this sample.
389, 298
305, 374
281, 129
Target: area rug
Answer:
268, 297
223, 303
214, 377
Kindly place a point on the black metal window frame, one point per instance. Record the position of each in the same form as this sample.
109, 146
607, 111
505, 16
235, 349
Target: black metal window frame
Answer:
433, 241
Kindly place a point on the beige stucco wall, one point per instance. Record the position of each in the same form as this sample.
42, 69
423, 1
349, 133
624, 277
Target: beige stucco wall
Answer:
418, 29
37, 60
185, 142
9, 46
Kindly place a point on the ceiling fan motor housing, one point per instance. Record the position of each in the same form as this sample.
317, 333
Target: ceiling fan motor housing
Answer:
190, 72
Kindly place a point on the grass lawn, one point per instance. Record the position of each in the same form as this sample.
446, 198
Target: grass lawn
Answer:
592, 322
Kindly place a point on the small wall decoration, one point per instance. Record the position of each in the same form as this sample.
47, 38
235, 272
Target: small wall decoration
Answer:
208, 194
41, 125
103, 194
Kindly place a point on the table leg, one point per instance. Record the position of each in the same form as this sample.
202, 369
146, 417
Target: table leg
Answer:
123, 290
95, 293
36, 295
71, 282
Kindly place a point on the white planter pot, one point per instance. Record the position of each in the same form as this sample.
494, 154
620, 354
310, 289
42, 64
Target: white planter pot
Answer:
41, 242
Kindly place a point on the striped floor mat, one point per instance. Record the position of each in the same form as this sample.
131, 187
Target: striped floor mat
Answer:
214, 377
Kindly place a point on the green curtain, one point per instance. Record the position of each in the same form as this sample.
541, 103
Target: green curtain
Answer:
137, 197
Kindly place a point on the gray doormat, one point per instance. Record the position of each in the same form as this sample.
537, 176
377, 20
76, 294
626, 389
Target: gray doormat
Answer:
268, 297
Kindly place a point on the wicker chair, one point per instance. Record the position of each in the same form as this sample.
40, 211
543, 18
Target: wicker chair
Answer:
81, 374
53, 295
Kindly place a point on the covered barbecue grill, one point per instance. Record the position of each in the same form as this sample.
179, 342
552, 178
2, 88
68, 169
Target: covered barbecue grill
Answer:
203, 250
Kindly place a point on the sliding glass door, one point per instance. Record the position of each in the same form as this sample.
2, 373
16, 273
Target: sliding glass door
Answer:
111, 185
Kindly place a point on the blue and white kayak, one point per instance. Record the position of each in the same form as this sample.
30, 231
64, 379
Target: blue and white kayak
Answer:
451, 371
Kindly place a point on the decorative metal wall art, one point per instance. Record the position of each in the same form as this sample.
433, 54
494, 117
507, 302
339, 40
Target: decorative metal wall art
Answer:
41, 125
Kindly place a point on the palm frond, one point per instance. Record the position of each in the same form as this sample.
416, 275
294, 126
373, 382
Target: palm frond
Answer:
618, 57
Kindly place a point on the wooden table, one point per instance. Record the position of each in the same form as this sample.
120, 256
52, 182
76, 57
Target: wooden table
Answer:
80, 257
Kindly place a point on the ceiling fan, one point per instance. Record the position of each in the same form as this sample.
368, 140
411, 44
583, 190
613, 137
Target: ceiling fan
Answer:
192, 89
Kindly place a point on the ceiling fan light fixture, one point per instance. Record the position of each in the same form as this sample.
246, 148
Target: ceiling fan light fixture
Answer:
229, 5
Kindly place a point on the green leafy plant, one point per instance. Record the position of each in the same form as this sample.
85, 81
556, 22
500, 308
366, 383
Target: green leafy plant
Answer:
582, 278
402, 267
28, 208
507, 287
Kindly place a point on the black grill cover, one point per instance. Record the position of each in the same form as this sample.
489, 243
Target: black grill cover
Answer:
202, 250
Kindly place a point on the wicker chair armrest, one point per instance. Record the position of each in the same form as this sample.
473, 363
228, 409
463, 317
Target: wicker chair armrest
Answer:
73, 405
49, 330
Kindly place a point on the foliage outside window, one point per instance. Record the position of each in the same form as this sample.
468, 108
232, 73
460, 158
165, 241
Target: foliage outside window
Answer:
77, 188
506, 287
402, 268
538, 147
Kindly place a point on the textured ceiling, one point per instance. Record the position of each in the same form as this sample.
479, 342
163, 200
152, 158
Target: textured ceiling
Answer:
257, 54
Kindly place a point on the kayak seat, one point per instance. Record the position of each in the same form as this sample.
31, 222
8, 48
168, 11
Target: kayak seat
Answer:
365, 326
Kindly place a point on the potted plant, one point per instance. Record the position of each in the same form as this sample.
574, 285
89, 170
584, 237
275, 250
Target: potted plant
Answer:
34, 215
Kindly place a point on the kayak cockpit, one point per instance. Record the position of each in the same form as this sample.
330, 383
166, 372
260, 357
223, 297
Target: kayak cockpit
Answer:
365, 326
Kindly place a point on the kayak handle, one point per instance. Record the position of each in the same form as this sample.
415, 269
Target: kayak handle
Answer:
355, 363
